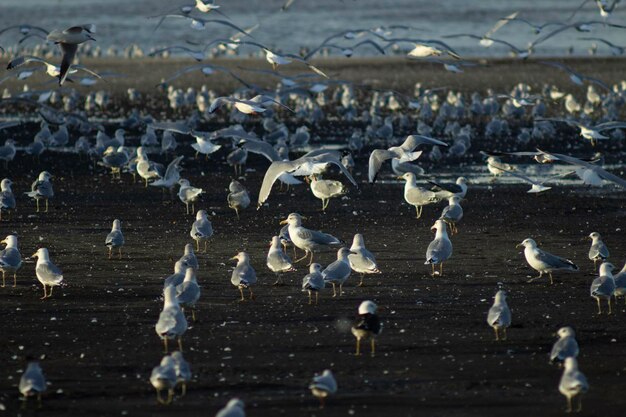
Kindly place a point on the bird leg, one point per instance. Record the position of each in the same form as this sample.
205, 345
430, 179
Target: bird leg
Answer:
358, 347
310, 299
205, 246
50, 293
237, 212
599, 307
306, 253
373, 342
193, 314
37, 201
311, 260
183, 390
180, 343
495, 329
241, 292
165, 345
14, 279
551, 280
159, 398
536, 278
252, 297
340, 289
432, 266
45, 295
334, 290
46, 205
360, 284
441, 269
580, 404
110, 248
170, 396
119, 250
317, 296
569, 405
2, 279
322, 402
187, 206
278, 281
39, 400
504, 333
197, 243
610, 310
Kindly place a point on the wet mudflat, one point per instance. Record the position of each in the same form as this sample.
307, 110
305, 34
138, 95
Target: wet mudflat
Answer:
436, 355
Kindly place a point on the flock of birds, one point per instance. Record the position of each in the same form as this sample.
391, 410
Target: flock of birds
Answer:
305, 100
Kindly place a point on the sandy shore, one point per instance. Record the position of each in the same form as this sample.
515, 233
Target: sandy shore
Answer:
385, 73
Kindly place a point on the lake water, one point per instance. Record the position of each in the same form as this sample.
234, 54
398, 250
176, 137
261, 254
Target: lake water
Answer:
308, 22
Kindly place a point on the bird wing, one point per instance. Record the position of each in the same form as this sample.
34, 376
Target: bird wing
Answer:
453, 188
69, 51
275, 170
412, 141
599, 171
262, 148
377, 158
553, 260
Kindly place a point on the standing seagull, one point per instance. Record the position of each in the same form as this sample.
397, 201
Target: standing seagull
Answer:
440, 249
404, 153
326, 189
243, 275
452, 213
32, 382
201, 230
368, 325
47, 272
313, 282
41, 188
544, 262
565, 347
305, 239
323, 386
278, 261
115, 239
338, 272
188, 292
620, 284
361, 260
604, 285
7, 199
238, 198
415, 195
499, 316
172, 323
68, 40
10, 259
447, 190
598, 250
163, 378
573, 383
188, 194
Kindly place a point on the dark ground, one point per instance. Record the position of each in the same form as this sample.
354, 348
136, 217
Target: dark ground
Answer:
436, 357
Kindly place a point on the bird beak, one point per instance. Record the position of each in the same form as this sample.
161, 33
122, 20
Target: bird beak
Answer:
234, 258
399, 177
284, 221
4, 241
519, 245
34, 255
433, 229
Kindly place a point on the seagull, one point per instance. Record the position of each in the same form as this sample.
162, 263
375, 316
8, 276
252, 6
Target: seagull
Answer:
238, 198
7, 152
188, 292
51, 69
10, 259
172, 175
278, 261
599, 172
172, 323
495, 165
243, 275
565, 347
362, 261
188, 194
312, 163
47, 273
326, 189
163, 377
404, 153
234, 408
147, 169
201, 230
183, 371
204, 144
178, 276
573, 383
305, 239
32, 382
189, 258
313, 282
544, 262
415, 195
591, 133
537, 187
41, 188
115, 239
339, 271
440, 249
499, 316
604, 285
68, 40
598, 250
323, 386
575, 77
367, 326
452, 213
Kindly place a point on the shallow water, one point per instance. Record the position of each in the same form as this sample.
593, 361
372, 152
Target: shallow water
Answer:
306, 23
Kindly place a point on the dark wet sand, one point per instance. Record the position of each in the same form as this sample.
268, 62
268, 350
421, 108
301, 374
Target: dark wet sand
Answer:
436, 356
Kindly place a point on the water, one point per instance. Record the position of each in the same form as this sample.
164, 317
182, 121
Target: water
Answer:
307, 23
